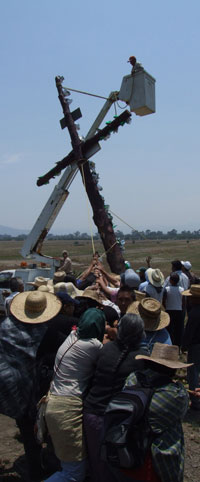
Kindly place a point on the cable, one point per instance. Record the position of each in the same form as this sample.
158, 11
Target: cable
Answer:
122, 220
86, 93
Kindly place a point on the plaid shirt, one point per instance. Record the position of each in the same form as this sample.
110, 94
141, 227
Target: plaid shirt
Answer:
166, 411
18, 347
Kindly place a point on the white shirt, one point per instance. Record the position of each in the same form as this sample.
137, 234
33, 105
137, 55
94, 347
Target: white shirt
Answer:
77, 366
174, 298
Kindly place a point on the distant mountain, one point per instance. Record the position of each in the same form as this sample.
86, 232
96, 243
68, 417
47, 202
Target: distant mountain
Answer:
12, 231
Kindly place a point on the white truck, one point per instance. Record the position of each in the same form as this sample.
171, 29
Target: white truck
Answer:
27, 275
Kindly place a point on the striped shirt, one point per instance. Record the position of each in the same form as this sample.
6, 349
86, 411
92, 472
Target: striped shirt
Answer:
166, 412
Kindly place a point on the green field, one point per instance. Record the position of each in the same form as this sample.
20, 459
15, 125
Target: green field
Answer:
162, 253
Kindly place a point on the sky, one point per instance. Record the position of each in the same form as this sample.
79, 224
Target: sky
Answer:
150, 169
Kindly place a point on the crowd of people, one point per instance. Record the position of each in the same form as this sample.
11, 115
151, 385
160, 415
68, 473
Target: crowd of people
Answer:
84, 340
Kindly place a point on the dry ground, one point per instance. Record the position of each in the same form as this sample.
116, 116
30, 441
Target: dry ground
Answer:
13, 466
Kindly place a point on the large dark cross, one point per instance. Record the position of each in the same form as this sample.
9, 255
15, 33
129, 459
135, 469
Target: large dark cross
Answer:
79, 155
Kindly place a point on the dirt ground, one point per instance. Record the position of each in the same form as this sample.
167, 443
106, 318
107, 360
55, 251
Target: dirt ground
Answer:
12, 460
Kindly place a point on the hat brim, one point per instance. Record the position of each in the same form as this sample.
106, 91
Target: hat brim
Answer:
164, 361
17, 308
188, 293
149, 324
152, 281
89, 297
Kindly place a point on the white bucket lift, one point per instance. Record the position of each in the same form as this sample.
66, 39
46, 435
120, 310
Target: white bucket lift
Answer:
138, 90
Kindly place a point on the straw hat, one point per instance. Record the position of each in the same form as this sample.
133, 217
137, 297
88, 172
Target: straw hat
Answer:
193, 291
167, 355
67, 288
46, 288
38, 281
155, 277
92, 295
150, 311
139, 295
35, 306
59, 276
72, 290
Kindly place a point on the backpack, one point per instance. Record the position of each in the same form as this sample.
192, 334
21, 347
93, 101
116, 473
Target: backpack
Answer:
127, 434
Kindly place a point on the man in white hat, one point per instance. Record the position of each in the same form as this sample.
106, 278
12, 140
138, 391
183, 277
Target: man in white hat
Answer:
20, 337
154, 287
186, 268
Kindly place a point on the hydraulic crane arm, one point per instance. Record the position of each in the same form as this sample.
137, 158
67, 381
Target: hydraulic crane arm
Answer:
33, 243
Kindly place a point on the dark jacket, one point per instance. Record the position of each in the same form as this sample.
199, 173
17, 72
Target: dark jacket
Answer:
107, 380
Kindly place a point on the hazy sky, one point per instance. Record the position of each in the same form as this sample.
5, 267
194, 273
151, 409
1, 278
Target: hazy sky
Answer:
150, 170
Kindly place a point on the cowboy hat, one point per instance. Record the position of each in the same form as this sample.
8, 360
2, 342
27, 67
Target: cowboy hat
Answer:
59, 276
92, 295
155, 277
38, 281
67, 288
150, 311
35, 306
167, 355
193, 291
45, 288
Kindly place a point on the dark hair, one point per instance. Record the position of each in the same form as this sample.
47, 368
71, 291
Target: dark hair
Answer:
175, 278
70, 279
130, 334
16, 283
110, 314
176, 264
125, 288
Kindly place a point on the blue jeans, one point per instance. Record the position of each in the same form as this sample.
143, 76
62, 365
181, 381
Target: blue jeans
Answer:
193, 372
71, 472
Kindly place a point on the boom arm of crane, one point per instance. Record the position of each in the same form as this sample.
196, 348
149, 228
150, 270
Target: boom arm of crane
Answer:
33, 243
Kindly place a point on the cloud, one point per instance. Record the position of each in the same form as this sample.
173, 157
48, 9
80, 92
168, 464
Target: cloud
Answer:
11, 158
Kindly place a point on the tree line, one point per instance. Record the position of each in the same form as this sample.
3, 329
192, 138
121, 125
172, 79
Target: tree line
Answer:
132, 236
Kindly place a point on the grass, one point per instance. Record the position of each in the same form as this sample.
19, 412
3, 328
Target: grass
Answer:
162, 252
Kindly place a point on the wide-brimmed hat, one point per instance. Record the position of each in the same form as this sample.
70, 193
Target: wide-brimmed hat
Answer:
155, 276
67, 288
92, 295
38, 281
59, 276
72, 290
167, 355
140, 295
151, 312
46, 288
35, 306
193, 291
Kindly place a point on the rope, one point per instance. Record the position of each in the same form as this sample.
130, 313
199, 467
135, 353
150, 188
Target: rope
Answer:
105, 252
87, 204
122, 220
86, 93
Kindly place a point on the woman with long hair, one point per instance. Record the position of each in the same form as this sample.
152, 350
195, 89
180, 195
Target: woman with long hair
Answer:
116, 361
